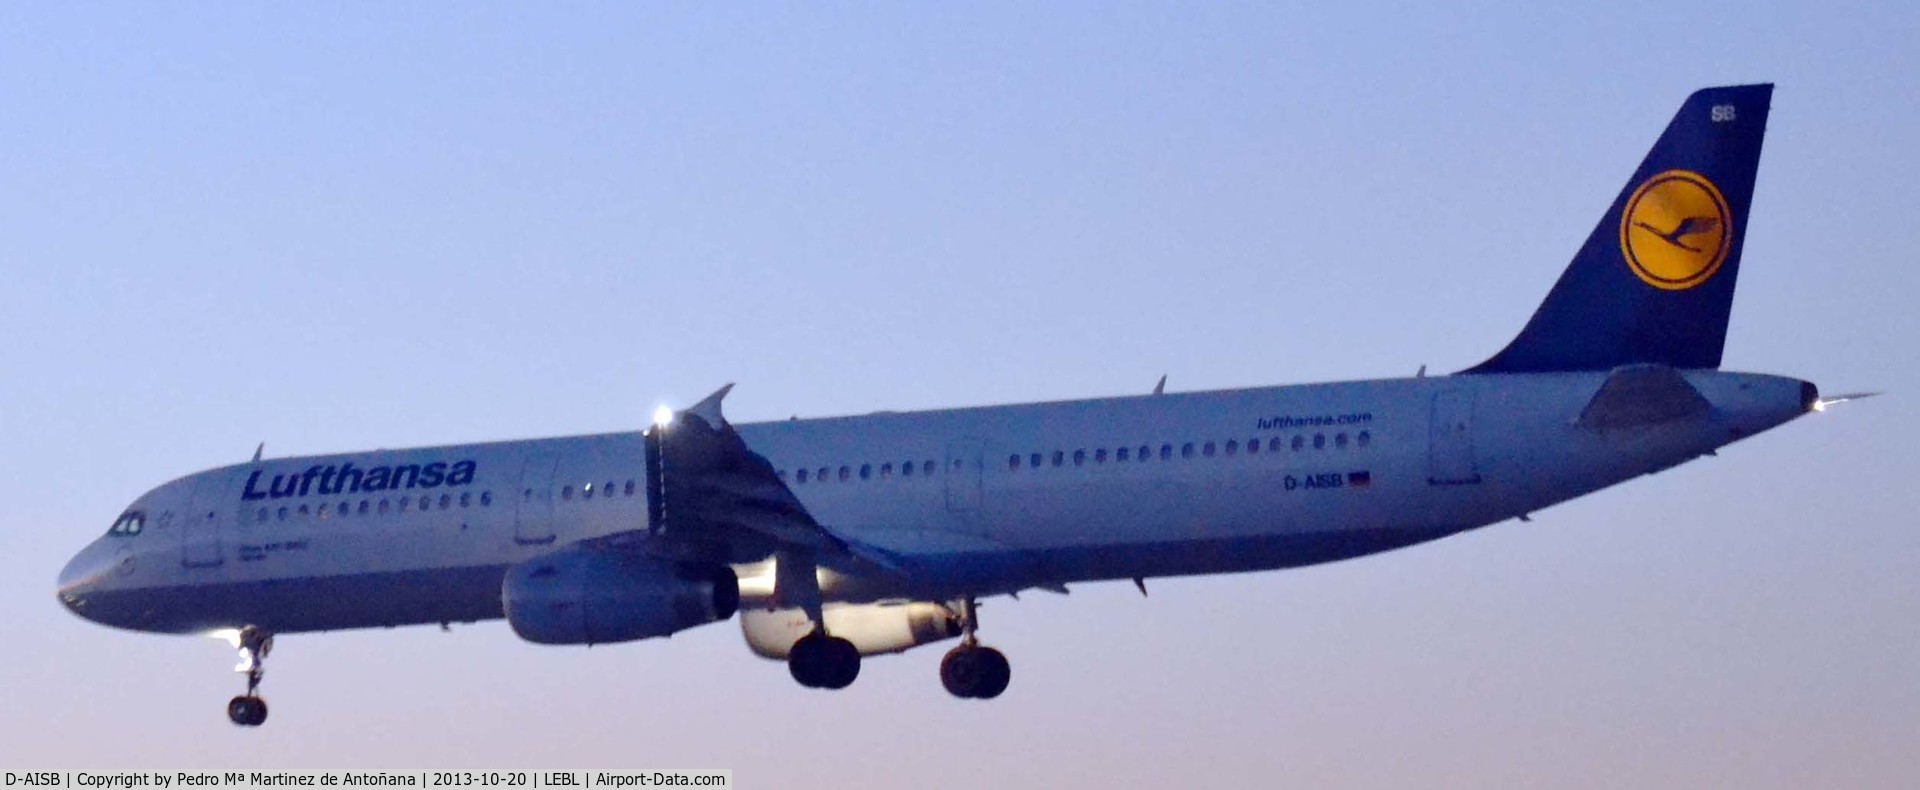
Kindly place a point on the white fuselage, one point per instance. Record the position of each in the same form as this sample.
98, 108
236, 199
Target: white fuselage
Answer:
971, 501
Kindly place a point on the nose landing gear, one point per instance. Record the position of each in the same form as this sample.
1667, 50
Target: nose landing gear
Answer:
249, 710
972, 670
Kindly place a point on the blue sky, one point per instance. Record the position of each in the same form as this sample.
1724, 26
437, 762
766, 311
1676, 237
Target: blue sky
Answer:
351, 226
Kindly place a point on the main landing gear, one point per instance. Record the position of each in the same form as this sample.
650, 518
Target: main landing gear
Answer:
972, 670
249, 710
819, 661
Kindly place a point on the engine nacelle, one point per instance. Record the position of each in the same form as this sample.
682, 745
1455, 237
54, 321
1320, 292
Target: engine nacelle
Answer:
584, 596
872, 628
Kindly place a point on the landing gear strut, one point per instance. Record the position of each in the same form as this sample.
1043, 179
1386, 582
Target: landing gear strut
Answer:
819, 661
249, 710
972, 670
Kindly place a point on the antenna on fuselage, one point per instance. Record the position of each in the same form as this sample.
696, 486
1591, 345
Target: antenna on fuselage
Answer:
258, 450
1161, 388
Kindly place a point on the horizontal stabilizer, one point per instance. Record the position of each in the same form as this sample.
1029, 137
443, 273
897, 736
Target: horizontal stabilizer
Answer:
1642, 395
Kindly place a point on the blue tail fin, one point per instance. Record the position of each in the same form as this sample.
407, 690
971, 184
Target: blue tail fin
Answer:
1654, 283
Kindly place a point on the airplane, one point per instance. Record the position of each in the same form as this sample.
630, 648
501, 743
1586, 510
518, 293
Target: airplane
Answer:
847, 537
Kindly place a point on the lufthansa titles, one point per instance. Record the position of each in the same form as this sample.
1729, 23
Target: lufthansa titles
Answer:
346, 478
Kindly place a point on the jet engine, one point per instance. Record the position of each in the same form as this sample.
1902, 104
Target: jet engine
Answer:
586, 596
872, 628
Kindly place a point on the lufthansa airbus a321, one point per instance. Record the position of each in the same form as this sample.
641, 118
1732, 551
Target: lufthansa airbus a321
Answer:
834, 539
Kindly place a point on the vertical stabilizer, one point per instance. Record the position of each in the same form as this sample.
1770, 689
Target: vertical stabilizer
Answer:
1654, 282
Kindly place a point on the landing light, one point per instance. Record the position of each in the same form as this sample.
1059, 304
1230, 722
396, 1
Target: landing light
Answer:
230, 635
663, 416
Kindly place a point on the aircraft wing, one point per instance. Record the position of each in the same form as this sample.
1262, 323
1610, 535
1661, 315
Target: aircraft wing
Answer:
704, 483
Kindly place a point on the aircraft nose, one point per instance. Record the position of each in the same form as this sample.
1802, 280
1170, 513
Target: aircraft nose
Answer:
1809, 396
82, 575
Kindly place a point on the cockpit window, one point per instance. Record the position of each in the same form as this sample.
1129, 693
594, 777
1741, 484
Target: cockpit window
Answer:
130, 523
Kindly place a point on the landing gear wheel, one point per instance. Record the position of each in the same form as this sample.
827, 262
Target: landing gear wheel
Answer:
971, 671
803, 661
843, 663
975, 672
957, 672
995, 673
247, 711
819, 661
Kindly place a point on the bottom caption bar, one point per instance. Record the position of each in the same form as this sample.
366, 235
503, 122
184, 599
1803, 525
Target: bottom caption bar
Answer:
478, 780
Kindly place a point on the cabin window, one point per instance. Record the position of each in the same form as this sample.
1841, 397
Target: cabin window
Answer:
1120, 455
927, 468
1233, 447
800, 475
263, 516
1166, 452
1365, 438
629, 486
486, 500
466, 498
406, 504
1253, 445
304, 512
446, 501
321, 512
866, 471
1013, 462
566, 492
608, 490
1079, 457
426, 501
886, 470
346, 508
906, 469
845, 473
383, 507
1059, 457
1299, 442
1340, 440
823, 474
1034, 460
1319, 441
1207, 450
282, 515
586, 491
1100, 456
1186, 450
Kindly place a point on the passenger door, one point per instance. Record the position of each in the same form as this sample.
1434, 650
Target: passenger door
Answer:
208, 507
1450, 457
964, 469
533, 503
